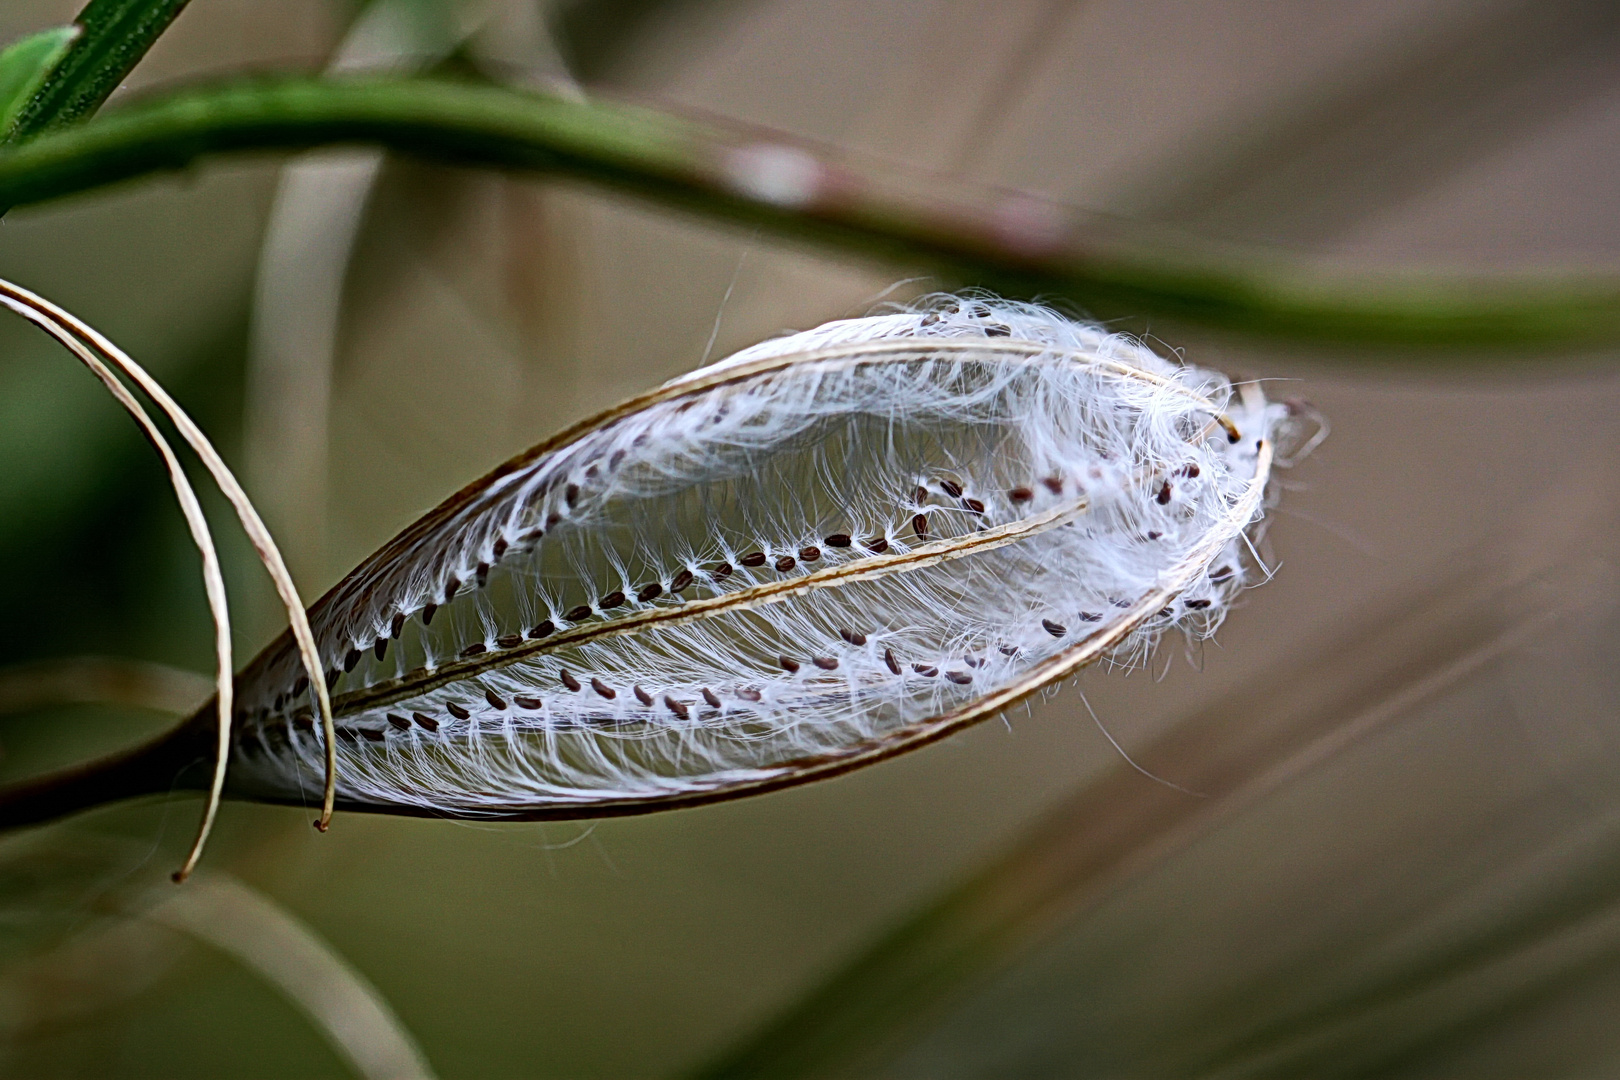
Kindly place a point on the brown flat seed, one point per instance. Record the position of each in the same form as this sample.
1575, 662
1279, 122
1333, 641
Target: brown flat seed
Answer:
451, 587
680, 581
825, 663
753, 558
810, 554
304, 722
1055, 629
348, 734
1020, 494
569, 681
785, 563
709, 696
1008, 650
997, 330
748, 693
649, 592
498, 548
604, 689
495, 700
1197, 605
1091, 616
1122, 603
961, 678
427, 723
888, 658
1054, 484
678, 708
952, 488
837, 540
974, 505
381, 647
544, 629
351, 659
789, 664
1221, 574
925, 669
456, 710
1154, 535
920, 495
397, 627
374, 734
1163, 497
533, 704
571, 494
878, 546
428, 613
1189, 470
919, 525
721, 572
509, 641
575, 614
616, 459
611, 600
478, 649
642, 695
483, 574
852, 637
399, 721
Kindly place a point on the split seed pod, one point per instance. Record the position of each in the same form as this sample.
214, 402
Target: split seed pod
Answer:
818, 553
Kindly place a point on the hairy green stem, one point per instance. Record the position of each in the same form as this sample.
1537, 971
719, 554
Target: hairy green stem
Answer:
1008, 242
114, 35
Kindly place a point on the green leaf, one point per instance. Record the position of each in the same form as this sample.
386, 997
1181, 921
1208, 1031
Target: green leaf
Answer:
113, 36
24, 66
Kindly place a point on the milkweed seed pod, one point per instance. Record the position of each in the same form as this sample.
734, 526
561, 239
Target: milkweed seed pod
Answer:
823, 550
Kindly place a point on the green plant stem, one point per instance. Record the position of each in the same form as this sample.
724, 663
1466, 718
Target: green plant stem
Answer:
1007, 242
114, 35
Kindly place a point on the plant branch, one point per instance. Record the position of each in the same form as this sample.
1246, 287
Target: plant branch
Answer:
1009, 242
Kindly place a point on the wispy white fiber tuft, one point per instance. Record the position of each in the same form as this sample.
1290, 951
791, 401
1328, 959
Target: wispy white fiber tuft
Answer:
822, 550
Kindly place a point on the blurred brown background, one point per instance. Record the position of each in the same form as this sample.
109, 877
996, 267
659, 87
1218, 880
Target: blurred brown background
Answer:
1423, 882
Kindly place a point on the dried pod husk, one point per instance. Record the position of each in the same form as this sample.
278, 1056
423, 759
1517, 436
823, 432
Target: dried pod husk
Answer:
818, 553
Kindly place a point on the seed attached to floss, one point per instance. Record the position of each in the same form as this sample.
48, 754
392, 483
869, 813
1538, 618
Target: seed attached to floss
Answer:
860, 431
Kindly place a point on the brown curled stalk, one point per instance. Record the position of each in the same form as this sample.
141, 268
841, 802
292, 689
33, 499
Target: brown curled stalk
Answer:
100, 355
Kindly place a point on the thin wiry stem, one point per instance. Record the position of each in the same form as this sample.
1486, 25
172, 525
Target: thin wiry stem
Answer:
1012, 243
35, 311
101, 680
92, 348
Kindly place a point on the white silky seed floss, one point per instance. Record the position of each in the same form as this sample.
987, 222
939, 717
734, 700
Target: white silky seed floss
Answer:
816, 552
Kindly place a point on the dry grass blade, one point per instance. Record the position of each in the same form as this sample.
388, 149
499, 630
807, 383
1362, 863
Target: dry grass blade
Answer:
37, 312
1118, 829
90, 347
102, 680
253, 929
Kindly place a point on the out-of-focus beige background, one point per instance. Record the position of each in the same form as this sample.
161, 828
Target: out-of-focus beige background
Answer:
480, 313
